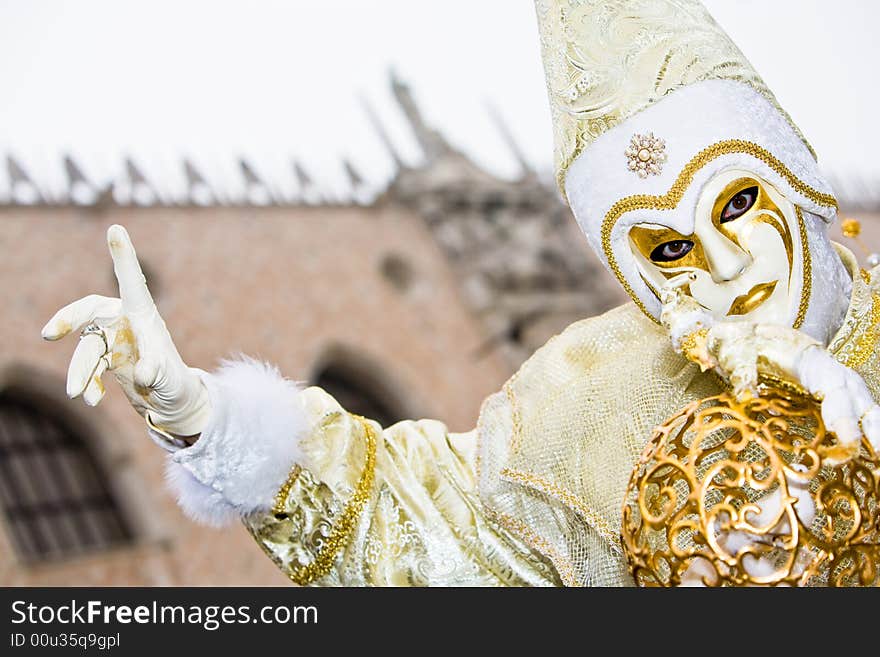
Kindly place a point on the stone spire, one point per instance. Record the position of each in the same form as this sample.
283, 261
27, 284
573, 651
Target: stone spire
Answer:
510, 141
432, 143
308, 190
80, 190
141, 192
198, 190
360, 190
256, 191
382, 133
23, 189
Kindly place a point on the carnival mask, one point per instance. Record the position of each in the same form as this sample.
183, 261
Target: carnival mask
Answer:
745, 250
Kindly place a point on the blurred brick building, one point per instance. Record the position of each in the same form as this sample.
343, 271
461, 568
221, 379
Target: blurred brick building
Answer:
418, 301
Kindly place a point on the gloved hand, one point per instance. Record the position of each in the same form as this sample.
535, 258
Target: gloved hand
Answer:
128, 337
741, 351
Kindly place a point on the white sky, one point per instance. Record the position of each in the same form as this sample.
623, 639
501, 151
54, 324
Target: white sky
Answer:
272, 79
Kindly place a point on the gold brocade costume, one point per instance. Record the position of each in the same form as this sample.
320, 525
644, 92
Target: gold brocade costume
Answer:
533, 495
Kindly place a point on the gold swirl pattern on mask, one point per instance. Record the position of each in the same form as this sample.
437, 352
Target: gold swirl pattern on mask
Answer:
671, 199
764, 210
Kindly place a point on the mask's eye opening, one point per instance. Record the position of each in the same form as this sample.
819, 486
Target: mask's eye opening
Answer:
671, 251
739, 204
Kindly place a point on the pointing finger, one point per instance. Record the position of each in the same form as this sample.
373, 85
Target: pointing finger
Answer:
136, 297
76, 315
83, 364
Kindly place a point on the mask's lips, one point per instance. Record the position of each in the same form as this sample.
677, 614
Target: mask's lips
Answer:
746, 303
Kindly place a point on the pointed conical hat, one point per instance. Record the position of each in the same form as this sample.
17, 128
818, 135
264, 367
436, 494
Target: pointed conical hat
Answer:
606, 60
650, 99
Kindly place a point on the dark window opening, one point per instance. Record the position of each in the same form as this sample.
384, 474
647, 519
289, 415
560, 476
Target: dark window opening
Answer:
54, 497
357, 396
397, 271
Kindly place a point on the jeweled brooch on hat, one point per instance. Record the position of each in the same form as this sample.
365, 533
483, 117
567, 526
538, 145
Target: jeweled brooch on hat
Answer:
645, 155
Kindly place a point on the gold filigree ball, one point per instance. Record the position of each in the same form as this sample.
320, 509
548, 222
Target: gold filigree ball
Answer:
752, 493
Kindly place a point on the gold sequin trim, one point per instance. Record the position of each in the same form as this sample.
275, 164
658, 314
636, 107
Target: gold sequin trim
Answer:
866, 343
568, 499
670, 200
807, 291
284, 491
537, 543
342, 530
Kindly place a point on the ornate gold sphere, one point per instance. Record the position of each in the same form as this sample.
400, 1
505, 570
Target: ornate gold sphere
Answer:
752, 493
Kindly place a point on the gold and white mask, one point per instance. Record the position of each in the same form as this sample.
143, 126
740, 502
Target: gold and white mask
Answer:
675, 156
745, 251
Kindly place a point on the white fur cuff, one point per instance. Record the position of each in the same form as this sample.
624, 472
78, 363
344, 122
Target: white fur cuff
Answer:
246, 452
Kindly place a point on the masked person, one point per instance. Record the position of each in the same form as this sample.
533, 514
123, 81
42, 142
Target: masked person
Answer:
704, 200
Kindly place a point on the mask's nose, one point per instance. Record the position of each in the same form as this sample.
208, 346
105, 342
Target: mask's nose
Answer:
725, 259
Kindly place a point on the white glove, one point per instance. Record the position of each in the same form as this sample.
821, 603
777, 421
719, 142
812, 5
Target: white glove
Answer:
739, 349
128, 337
